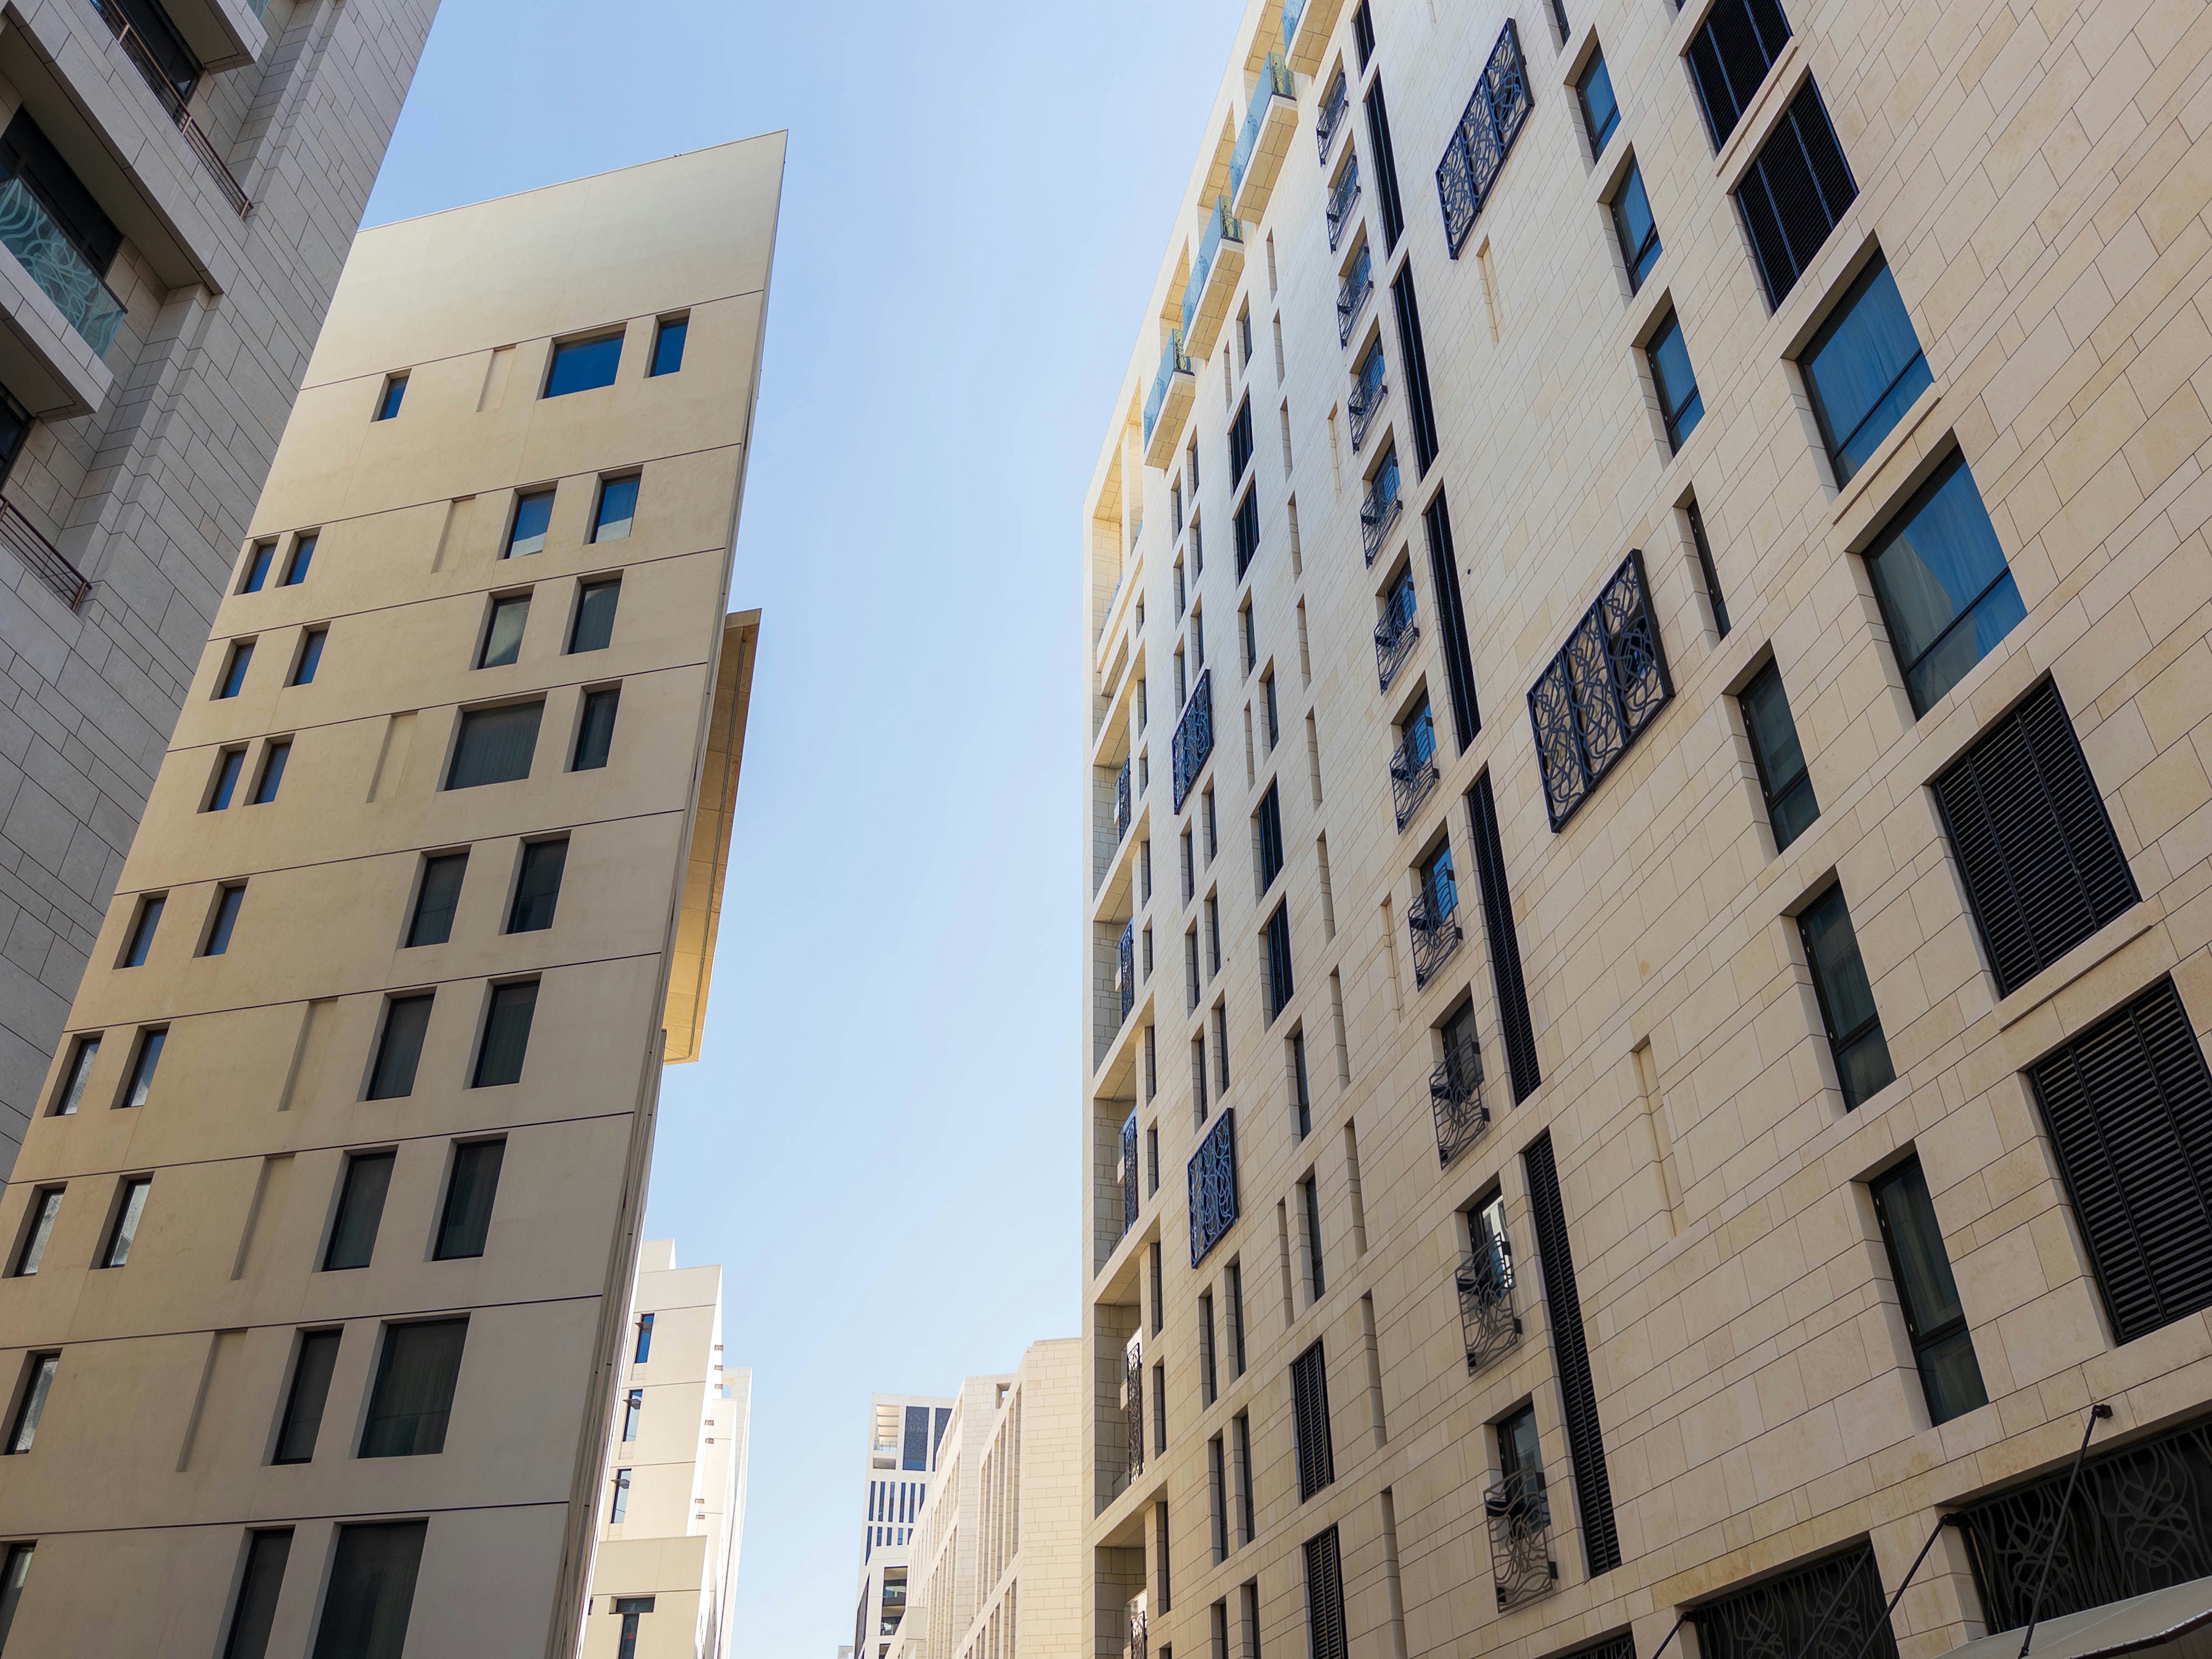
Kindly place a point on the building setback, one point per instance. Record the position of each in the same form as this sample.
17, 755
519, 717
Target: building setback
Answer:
905, 1436
321, 1245
180, 180
1649, 703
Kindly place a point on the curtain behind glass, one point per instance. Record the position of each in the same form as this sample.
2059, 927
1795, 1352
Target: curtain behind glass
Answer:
497, 745
415, 1389
507, 1034
371, 1591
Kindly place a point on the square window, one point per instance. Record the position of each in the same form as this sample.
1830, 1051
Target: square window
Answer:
1863, 369
1680, 406
503, 637
618, 508
495, 745
413, 1399
596, 604
274, 760
595, 732
439, 897
361, 1210
229, 900
303, 556
257, 561
1633, 224
1947, 597
506, 1034
583, 365
233, 670
399, 1050
395, 391
668, 345
310, 656
1600, 112
533, 513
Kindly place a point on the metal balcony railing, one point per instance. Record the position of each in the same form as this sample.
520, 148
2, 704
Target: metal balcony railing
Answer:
149, 68
1352, 295
1456, 1096
1125, 969
1126, 1173
1495, 111
1132, 1407
1172, 363
1486, 1318
70, 584
1395, 635
1433, 920
1370, 384
1274, 83
1140, 1631
1341, 201
1333, 103
1220, 227
28, 231
1380, 510
1122, 813
1413, 773
1193, 738
1520, 1516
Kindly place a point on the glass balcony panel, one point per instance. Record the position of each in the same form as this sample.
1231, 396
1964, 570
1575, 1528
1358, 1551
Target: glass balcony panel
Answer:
61, 272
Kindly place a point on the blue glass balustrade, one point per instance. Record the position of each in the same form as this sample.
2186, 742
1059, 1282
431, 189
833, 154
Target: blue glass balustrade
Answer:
1172, 363
1274, 83
54, 263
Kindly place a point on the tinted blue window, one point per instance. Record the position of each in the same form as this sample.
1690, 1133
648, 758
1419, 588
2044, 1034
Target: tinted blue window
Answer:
582, 365
233, 677
532, 513
1631, 219
1599, 108
1945, 592
226, 779
295, 567
257, 569
1863, 369
668, 345
311, 658
618, 508
1677, 385
395, 390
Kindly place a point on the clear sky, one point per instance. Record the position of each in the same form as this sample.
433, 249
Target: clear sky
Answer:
881, 1144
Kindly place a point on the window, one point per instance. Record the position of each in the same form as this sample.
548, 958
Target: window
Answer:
619, 1511
233, 670
1272, 719
1301, 1093
46, 1207
1240, 442
259, 558
253, 1614
228, 764
506, 1034
2042, 867
1280, 986
405, 1021
1451, 618
1386, 168
1947, 596
618, 508
1793, 193
583, 365
1633, 224
533, 513
495, 746
151, 1044
630, 1608
37, 1382
1151, 1148
1824, 1600
1247, 638
633, 1413
371, 1591
1316, 1457
14, 1570
1919, 1265
1570, 1360
395, 390
303, 556
310, 1389
1504, 943
1705, 568
1213, 831
1519, 1451
1863, 369
1600, 112
503, 630
361, 1210
229, 902
310, 655
437, 899
644, 1349
1221, 1046
538, 889
1247, 529
1672, 378
2129, 1105
595, 732
128, 1214
466, 1222
668, 345
1729, 57
1325, 1634
1420, 406
80, 1073
1189, 866
1267, 824
1831, 950
1248, 1602
1783, 778
1209, 1385
413, 1397
1363, 37
274, 759
595, 628
1212, 935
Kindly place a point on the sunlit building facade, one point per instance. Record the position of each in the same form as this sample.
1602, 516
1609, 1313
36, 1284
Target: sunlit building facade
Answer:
904, 1433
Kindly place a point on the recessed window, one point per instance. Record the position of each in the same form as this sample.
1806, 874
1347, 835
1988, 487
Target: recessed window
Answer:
1246, 529
361, 1210
14, 1571
595, 732
406, 1019
1782, 777
80, 1073
1240, 442
303, 1405
128, 1215
1600, 111
303, 557
1793, 193
439, 897
537, 890
1839, 978
503, 637
643, 1351
1268, 823
619, 1511
1680, 407
1950, 1376
229, 900
1633, 224
146, 1062
257, 561
596, 604
38, 1384
1309, 1425
633, 1413
1863, 370
310, 656
583, 365
372, 1585
617, 509
495, 745
233, 670
1729, 57
668, 345
1281, 980
465, 1223
1947, 595
46, 1209
1706, 569
253, 1614
274, 760
395, 393
143, 930
413, 1398
228, 764
506, 1034
533, 513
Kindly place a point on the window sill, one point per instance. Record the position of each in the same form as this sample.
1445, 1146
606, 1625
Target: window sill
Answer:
1888, 451
1779, 86
2092, 952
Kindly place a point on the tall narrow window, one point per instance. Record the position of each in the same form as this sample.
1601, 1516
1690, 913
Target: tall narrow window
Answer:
258, 562
1281, 982
395, 391
1232, 1287
1571, 1359
233, 670
1325, 1629
371, 1591
80, 1073
631, 1608
1782, 777
1386, 166
595, 732
618, 508
533, 516
1633, 224
1310, 1205
1600, 110
229, 900
1504, 943
1413, 353
1316, 1455
149, 1061
406, 1019
1839, 978
1268, 823
128, 1215
1362, 38
668, 338
503, 630
14, 1571
1794, 192
1301, 1093
413, 1399
46, 1207
1451, 619
1221, 1047
538, 889
643, 1350
143, 930
1944, 1348
302, 559
1240, 442
634, 1414
304, 1401
495, 745
1246, 527
1681, 408
253, 1614
310, 655
1948, 597
361, 1210
1705, 568
619, 1511
1863, 369
583, 365
1728, 58
1209, 1385
505, 1035
1247, 1602
1240, 1435
466, 1222
38, 1382
274, 759
229, 762
596, 602
439, 897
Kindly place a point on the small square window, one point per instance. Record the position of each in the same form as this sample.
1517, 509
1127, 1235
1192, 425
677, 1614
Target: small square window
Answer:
395, 391
303, 555
595, 733
233, 670
618, 508
228, 764
668, 345
228, 903
533, 513
596, 602
503, 637
1600, 112
310, 656
257, 561
583, 365
273, 762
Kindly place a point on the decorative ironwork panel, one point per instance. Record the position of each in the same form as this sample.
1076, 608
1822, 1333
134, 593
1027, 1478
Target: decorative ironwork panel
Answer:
2140, 1520
1140, 1630
1334, 104
1601, 692
1368, 389
1396, 635
1456, 1096
1520, 1516
1132, 1404
1341, 201
1433, 920
1413, 768
1495, 111
1128, 1173
1833, 1610
1193, 738
1381, 508
1213, 1187
1125, 968
1485, 1306
1121, 813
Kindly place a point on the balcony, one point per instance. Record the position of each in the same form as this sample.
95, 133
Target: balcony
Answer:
1396, 635
1494, 116
1193, 739
1307, 25
1214, 275
1168, 406
1132, 1412
1433, 920
1353, 295
1341, 201
147, 54
1121, 804
1125, 969
1369, 388
1329, 118
1600, 692
1485, 1306
1381, 508
1412, 779
43, 558
1140, 1630
1520, 1516
1263, 141
1126, 1173
1455, 1096
64, 274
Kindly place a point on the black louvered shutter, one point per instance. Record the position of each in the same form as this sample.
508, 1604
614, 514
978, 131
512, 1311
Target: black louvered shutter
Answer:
2043, 868
1325, 1597
1504, 943
1309, 1421
1729, 56
1451, 619
1794, 192
1571, 1358
2128, 1104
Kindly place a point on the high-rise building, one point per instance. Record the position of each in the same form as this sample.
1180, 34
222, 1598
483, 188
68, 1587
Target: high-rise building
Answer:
903, 1435
674, 1481
320, 1247
179, 182
1727, 478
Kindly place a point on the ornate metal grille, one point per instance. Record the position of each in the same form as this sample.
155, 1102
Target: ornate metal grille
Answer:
1520, 1516
1193, 738
1606, 685
1433, 920
1396, 635
1122, 804
1492, 119
1342, 200
2140, 1520
1132, 1407
1140, 1633
1833, 1610
1368, 389
1381, 508
1125, 969
1352, 295
1413, 768
1333, 103
1127, 1173
1456, 1096
1485, 1306
1213, 1187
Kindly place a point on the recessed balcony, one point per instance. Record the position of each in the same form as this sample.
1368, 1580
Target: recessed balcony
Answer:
1264, 140
1396, 635
1213, 277
1307, 25
1168, 405
1353, 293
1456, 1097
1342, 200
170, 68
1328, 119
1486, 1318
1381, 507
61, 318
1369, 388
1520, 1516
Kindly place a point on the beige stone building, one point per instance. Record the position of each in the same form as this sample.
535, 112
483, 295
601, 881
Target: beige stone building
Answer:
997, 1559
674, 1518
178, 182
1649, 707
906, 1438
320, 1247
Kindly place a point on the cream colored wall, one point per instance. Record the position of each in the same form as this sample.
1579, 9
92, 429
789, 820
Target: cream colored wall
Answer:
2035, 178
151, 1462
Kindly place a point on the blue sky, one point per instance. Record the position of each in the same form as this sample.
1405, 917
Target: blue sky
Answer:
881, 1144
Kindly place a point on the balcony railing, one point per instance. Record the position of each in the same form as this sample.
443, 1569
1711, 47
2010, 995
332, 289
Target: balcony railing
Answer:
1219, 228
1485, 1306
1172, 363
1122, 804
1369, 387
1600, 693
64, 275
1413, 774
1125, 969
1456, 1096
1494, 116
1140, 1630
1133, 1413
1395, 635
1274, 83
1341, 201
149, 68
44, 559
1351, 295
1333, 103
1433, 920
1380, 510
1193, 738
1213, 1181
1126, 1173
1520, 1516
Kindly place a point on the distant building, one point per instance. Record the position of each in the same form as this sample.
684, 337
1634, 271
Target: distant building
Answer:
903, 1433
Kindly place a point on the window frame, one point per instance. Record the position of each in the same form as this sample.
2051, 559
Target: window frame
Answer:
1893, 529
390, 400
1925, 1343
580, 343
526, 498
1776, 792
678, 327
1871, 1026
1672, 410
